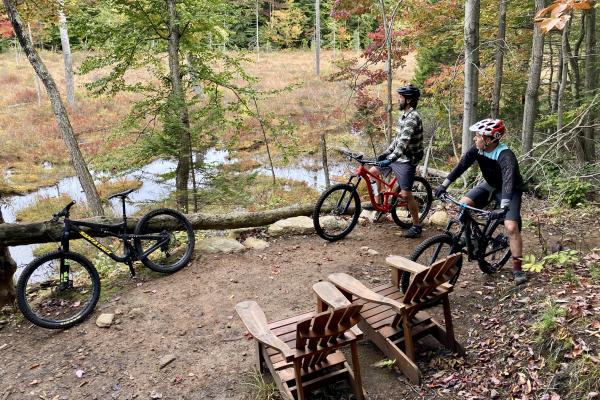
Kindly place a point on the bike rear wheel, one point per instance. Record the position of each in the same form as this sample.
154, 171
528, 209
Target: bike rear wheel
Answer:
497, 251
422, 193
58, 299
170, 240
336, 212
431, 250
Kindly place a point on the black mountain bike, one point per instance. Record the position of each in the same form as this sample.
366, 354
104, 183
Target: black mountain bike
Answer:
485, 241
61, 288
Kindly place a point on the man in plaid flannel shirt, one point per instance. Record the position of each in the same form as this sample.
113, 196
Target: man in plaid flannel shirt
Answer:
404, 153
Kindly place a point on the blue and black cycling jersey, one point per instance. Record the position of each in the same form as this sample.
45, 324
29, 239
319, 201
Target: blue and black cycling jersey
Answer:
499, 168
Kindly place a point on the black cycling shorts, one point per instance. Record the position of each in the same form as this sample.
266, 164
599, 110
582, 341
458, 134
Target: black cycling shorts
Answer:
483, 194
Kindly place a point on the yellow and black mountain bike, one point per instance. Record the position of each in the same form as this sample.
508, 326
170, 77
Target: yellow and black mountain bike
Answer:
61, 288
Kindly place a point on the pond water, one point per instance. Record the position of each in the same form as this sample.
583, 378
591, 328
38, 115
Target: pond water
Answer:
153, 188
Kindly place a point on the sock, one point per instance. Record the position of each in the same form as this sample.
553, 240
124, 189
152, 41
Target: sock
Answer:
517, 262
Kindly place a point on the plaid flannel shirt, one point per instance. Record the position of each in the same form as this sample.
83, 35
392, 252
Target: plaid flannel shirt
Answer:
408, 144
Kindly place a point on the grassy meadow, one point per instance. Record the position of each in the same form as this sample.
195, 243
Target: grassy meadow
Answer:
30, 136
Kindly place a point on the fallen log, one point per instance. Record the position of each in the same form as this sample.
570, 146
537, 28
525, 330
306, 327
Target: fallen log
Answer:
44, 232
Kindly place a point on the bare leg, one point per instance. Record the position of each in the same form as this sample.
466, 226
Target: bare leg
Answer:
516, 243
413, 207
375, 171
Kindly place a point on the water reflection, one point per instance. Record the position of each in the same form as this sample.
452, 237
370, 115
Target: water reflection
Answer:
154, 187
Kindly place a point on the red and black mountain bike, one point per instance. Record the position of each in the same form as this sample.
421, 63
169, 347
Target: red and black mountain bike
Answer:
337, 210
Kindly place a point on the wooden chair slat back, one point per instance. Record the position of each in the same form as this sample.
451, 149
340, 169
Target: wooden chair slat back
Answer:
427, 281
413, 288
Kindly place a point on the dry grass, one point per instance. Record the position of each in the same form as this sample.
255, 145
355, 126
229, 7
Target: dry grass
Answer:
30, 136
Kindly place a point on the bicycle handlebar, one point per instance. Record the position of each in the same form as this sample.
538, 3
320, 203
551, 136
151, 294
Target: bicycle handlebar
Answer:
445, 197
358, 157
64, 212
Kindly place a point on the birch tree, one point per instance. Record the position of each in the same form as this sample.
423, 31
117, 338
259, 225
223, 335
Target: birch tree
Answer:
60, 113
66, 50
471, 86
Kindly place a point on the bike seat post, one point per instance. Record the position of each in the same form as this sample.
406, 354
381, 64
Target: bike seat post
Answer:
124, 214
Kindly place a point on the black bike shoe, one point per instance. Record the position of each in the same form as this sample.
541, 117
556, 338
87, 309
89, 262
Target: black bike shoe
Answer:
413, 232
519, 277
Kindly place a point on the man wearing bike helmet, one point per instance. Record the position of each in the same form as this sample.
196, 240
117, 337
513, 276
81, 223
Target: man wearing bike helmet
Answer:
501, 180
404, 153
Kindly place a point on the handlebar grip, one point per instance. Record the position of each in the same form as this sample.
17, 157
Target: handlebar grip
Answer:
64, 212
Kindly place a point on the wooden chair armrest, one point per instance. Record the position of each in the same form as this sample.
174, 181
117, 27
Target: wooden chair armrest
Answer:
330, 295
351, 285
256, 322
404, 264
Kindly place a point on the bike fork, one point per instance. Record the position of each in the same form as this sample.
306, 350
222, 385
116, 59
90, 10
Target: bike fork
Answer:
128, 254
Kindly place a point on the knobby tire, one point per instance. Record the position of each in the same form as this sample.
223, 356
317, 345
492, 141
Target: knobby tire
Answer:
349, 200
154, 261
48, 292
447, 247
424, 207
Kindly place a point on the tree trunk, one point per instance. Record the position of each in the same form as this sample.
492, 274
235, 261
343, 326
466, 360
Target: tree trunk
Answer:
46, 232
177, 99
500, 41
533, 84
66, 49
325, 163
257, 42
563, 79
60, 113
7, 270
38, 90
558, 78
317, 37
388, 28
471, 87
589, 84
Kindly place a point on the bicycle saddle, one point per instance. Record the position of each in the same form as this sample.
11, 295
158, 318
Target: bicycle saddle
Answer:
122, 194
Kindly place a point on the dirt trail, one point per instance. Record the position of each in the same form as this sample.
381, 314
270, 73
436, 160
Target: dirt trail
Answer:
190, 316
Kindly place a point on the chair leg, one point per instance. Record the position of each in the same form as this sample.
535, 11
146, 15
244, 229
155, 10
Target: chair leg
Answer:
357, 381
449, 327
408, 339
298, 373
260, 357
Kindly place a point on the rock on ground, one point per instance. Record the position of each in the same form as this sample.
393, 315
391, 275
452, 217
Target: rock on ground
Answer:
255, 243
439, 218
105, 320
219, 245
292, 226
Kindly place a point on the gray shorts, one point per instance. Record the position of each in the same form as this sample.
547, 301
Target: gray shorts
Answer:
483, 194
405, 174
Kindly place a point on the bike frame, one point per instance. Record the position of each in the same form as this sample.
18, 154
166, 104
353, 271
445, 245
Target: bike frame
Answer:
74, 228
363, 173
469, 229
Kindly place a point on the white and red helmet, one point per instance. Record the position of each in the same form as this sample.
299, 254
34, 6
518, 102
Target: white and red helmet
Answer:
493, 128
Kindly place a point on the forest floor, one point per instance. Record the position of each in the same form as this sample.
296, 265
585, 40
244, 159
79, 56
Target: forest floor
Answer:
539, 341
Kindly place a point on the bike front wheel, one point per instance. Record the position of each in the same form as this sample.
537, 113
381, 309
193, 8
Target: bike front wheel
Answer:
497, 252
164, 240
422, 193
58, 290
431, 250
336, 212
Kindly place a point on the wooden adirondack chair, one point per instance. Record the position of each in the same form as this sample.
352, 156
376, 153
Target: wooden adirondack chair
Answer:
395, 321
301, 352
